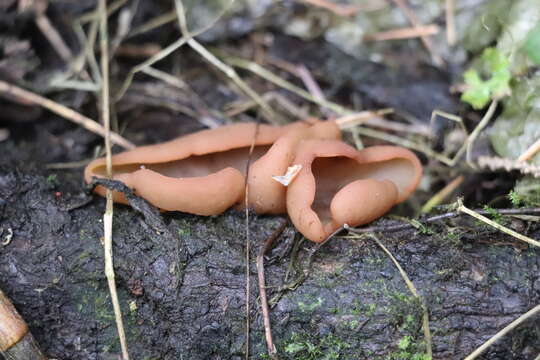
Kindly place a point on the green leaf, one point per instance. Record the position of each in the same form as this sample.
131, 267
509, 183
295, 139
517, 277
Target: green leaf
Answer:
532, 45
479, 92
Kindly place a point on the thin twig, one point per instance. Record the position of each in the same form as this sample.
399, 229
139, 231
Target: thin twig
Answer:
108, 216
481, 125
164, 53
154, 23
450, 9
497, 163
52, 35
529, 314
248, 242
346, 10
411, 16
63, 111
403, 33
412, 289
530, 152
448, 215
504, 229
262, 289
442, 194
220, 65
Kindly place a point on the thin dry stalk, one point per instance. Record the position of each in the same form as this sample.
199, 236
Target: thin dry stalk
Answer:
481, 125
530, 152
462, 208
442, 194
403, 33
64, 111
497, 163
272, 352
412, 289
411, 16
220, 65
163, 54
343, 10
529, 314
154, 23
303, 72
52, 35
450, 12
108, 216
248, 243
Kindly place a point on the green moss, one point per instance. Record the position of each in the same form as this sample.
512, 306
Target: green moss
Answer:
304, 346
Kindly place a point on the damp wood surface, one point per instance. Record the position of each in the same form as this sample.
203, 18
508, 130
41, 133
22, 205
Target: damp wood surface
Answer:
181, 278
182, 285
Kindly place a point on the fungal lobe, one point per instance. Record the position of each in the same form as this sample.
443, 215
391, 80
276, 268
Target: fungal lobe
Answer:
339, 185
201, 173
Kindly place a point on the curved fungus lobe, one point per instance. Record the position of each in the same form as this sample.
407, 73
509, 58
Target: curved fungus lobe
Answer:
339, 185
266, 195
200, 173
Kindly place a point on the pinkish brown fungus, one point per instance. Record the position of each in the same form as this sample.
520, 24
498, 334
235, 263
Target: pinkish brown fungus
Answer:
201, 173
339, 185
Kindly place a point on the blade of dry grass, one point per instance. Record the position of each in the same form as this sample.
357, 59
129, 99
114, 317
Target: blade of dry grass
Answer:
108, 216
462, 208
64, 111
412, 289
426, 40
403, 33
529, 314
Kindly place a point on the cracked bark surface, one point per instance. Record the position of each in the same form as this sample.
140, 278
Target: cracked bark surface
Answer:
181, 280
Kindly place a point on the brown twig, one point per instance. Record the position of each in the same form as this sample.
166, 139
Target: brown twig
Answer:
530, 152
450, 10
411, 16
403, 33
448, 215
248, 242
29, 97
338, 9
262, 289
442, 194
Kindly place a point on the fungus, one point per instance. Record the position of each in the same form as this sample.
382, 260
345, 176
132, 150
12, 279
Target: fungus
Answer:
201, 173
339, 185
266, 195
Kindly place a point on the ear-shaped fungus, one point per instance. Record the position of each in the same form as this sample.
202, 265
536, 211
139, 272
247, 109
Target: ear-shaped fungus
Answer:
201, 173
267, 195
339, 185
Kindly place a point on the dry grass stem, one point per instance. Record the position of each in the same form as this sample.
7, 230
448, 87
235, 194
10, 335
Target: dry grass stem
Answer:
442, 194
108, 216
52, 35
529, 314
64, 111
450, 12
403, 33
462, 208
412, 289
497, 163
271, 348
164, 53
481, 125
411, 16
154, 23
530, 152
94, 15
344, 10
